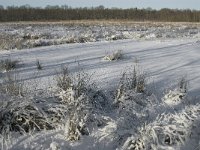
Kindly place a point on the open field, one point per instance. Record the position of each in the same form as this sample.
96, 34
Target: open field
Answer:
28, 35
100, 86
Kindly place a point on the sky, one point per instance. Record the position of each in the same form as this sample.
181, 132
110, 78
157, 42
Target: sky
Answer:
155, 4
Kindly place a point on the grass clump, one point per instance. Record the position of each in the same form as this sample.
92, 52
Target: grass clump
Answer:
38, 65
12, 86
114, 56
64, 80
73, 93
134, 81
183, 85
8, 64
21, 115
177, 95
82, 99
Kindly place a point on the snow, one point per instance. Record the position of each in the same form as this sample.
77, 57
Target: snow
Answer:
164, 61
167, 118
29, 35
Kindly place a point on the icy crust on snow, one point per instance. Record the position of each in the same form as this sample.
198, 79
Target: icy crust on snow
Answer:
21, 36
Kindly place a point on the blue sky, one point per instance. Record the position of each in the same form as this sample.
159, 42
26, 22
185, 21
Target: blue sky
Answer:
157, 4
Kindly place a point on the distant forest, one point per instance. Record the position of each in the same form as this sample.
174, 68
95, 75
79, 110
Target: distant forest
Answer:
58, 13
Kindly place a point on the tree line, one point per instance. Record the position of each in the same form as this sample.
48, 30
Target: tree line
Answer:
57, 13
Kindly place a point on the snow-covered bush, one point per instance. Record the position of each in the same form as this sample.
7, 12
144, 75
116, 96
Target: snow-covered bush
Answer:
114, 56
83, 102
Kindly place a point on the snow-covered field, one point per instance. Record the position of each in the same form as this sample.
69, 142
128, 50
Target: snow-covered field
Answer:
164, 114
29, 35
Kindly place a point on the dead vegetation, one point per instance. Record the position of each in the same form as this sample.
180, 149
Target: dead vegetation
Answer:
134, 80
83, 101
114, 56
8, 64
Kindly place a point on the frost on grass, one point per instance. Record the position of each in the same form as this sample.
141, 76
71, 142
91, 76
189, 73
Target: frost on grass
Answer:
174, 97
21, 112
84, 102
21, 36
114, 56
21, 115
132, 101
79, 110
12, 85
177, 96
8, 64
132, 82
167, 131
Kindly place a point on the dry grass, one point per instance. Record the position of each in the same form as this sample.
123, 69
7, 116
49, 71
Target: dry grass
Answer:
8, 64
38, 65
134, 81
12, 85
114, 56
